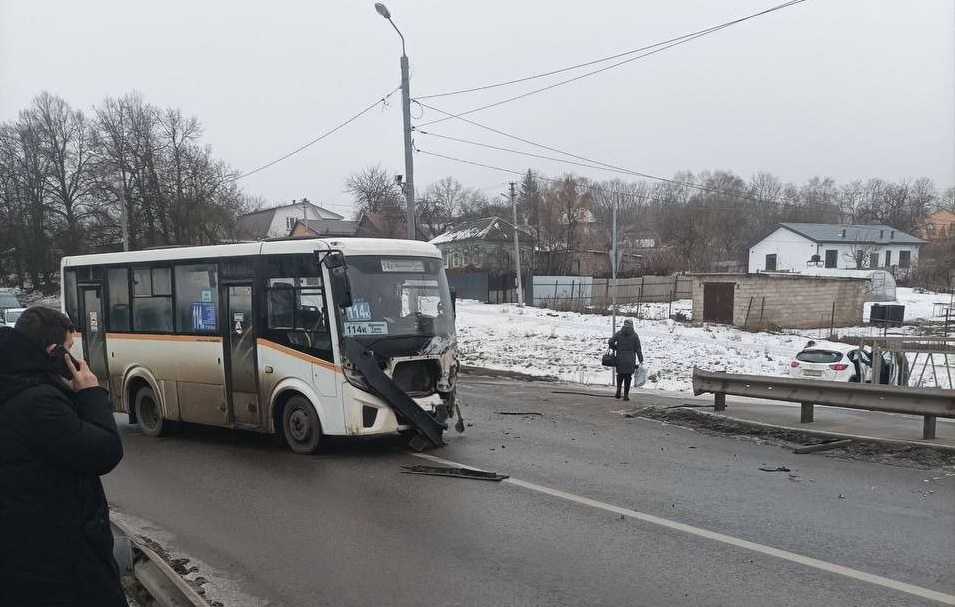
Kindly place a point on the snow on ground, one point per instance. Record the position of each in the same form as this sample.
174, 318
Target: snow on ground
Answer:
919, 304
568, 345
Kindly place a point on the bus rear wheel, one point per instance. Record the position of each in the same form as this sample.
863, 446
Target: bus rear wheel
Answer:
300, 425
149, 414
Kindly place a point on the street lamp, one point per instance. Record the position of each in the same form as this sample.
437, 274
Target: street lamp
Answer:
406, 111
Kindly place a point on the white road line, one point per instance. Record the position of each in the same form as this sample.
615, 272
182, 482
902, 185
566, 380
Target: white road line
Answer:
855, 574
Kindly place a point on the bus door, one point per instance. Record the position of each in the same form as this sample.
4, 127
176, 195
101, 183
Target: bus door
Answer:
239, 345
94, 330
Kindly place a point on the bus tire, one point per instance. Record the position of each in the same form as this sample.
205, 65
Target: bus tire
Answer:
300, 426
149, 414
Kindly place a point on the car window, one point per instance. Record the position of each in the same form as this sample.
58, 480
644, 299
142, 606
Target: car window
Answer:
8, 301
819, 356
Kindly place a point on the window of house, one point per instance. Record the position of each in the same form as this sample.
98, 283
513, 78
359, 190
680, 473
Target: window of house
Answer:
289, 223
117, 281
771, 262
873, 260
888, 259
197, 298
152, 300
905, 259
832, 258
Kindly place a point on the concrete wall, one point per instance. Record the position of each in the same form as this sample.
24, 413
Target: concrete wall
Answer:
794, 251
791, 302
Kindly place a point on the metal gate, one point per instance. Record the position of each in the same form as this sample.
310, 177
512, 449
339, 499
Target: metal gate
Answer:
718, 302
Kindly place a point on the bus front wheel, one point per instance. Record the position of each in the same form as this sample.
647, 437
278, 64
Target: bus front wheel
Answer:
300, 425
149, 414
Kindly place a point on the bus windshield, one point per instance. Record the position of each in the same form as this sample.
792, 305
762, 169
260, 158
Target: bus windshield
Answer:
396, 297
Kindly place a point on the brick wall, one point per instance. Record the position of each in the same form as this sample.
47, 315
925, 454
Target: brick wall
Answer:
794, 303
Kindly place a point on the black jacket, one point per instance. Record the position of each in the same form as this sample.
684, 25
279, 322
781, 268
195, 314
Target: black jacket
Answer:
627, 345
56, 546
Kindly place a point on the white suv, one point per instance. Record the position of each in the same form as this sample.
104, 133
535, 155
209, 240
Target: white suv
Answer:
832, 362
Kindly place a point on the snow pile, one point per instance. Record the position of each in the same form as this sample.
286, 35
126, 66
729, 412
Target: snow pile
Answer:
568, 345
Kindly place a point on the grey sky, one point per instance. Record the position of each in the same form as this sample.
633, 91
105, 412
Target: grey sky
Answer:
842, 88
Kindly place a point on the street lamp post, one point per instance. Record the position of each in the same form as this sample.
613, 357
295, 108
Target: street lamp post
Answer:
406, 111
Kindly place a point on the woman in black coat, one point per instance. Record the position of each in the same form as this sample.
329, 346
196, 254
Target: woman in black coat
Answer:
626, 344
56, 440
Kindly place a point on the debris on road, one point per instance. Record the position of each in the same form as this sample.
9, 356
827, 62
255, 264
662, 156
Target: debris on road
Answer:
776, 469
468, 473
823, 446
524, 413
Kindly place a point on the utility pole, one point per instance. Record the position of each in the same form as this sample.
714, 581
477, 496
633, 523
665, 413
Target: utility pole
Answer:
123, 218
305, 214
409, 150
517, 251
614, 259
406, 112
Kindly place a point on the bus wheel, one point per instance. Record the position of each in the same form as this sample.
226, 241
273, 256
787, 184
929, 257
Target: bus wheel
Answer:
149, 415
300, 425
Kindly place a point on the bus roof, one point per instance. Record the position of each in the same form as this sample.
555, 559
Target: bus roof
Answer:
349, 246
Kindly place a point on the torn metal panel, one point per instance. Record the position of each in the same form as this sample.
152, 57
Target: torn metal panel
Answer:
468, 473
384, 387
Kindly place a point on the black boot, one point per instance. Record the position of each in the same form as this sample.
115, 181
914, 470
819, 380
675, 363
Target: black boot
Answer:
617, 395
626, 396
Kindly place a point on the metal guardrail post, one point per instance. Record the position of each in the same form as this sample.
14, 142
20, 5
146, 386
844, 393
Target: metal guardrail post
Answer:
805, 413
928, 427
719, 402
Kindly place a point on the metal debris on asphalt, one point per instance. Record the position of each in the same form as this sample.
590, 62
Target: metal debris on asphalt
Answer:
776, 469
518, 413
823, 446
468, 473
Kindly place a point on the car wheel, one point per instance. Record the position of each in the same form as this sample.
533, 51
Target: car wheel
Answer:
149, 414
301, 426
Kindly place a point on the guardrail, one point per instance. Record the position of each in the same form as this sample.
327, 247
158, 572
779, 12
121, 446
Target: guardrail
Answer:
164, 585
930, 403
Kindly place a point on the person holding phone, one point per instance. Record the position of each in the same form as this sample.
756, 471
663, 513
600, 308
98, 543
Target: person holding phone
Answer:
57, 437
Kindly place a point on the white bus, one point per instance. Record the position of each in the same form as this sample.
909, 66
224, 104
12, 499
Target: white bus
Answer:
255, 335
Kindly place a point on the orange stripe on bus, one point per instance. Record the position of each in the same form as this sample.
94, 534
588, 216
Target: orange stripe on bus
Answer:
299, 355
154, 337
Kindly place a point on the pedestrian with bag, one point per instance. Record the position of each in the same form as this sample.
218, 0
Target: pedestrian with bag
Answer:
626, 345
57, 437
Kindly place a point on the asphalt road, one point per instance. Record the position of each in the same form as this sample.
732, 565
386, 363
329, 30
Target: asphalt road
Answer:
576, 527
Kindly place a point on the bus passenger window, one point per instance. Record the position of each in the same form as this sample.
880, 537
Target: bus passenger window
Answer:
118, 286
152, 301
197, 298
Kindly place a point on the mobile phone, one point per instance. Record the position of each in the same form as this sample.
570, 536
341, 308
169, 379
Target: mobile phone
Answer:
60, 355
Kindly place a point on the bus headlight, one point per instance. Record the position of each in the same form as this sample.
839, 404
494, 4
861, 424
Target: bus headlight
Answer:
353, 375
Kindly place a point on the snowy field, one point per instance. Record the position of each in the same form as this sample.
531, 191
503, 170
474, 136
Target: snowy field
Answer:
568, 345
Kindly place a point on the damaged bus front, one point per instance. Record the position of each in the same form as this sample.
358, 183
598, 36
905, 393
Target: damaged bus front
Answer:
399, 349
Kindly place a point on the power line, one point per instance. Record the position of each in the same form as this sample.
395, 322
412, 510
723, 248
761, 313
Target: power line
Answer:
604, 59
601, 165
646, 196
662, 47
380, 100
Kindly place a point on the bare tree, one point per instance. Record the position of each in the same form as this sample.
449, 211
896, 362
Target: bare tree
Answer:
374, 190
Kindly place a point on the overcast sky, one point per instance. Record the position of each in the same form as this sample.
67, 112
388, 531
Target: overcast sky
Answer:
842, 88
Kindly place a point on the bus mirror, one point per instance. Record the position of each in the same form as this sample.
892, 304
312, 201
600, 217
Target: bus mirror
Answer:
341, 286
454, 302
333, 259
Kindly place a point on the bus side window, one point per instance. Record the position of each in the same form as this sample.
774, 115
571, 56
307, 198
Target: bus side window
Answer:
117, 280
281, 304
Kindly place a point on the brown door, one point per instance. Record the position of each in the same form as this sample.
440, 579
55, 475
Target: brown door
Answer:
718, 300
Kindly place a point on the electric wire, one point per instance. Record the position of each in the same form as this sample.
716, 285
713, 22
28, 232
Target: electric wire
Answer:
380, 100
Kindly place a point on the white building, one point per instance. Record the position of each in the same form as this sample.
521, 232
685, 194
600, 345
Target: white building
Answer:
796, 247
279, 221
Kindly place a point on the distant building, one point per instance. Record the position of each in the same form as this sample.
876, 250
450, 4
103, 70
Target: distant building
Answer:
939, 225
797, 246
484, 244
324, 228
279, 221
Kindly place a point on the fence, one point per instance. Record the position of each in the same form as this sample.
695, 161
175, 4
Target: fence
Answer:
489, 287
583, 293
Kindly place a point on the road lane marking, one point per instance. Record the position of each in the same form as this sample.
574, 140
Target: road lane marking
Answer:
786, 555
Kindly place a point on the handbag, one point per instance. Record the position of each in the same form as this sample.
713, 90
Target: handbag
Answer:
609, 359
